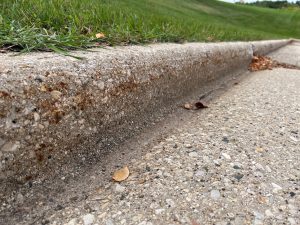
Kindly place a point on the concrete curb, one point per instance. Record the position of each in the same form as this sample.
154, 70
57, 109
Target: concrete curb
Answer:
265, 47
51, 106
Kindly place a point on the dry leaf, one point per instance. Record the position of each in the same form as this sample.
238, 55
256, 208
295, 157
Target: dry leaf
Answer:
266, 63
121, 174
188, 106
200, 105
100, 35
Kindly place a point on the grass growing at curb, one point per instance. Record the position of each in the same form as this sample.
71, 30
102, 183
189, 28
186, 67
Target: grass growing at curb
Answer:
60, 25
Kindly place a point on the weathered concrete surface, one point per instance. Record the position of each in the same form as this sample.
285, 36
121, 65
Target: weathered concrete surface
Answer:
55, 108
265, 47
290, 54
235, 162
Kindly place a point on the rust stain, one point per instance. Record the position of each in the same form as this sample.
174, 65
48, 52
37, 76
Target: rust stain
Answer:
57, 116
83, 100
2, 114
28, 178
63, 85
4, 94
47, 105
124, 87
30, 92
39, 157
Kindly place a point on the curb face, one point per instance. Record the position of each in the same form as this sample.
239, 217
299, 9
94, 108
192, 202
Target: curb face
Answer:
53, 108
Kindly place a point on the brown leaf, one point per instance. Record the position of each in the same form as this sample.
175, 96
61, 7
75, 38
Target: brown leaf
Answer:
100, 35
261, 63
200, 105
266, 63
121, 175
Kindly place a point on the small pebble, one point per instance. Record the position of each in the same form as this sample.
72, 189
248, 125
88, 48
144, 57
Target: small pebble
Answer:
200, 173
36, 116
88, 219
119, 188
159, 211
226, 156
56, 94
109, 222
72, 222
259, 217
225, 139
188, 146
20, 198
170, 203
276, 188
215, 194
292, 221
238, 176
193, 154
236, 167
269, 213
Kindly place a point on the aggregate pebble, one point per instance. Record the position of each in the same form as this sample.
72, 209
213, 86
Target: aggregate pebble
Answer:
88, 219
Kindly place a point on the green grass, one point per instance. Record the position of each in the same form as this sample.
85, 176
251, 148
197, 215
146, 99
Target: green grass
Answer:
58, 25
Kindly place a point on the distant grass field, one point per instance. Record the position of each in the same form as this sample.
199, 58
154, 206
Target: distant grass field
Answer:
59, 25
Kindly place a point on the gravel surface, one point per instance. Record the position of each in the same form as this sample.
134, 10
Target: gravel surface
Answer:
236, 162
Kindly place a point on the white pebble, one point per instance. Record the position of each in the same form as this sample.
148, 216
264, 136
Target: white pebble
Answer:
170, 202
226, 156
88, 219
269, 213
276, 188
193, 154
215, 194
36, 116
119, 188
200, 173
292, 221
72, 222
101, 85
268, 169
188, 145
159, 211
